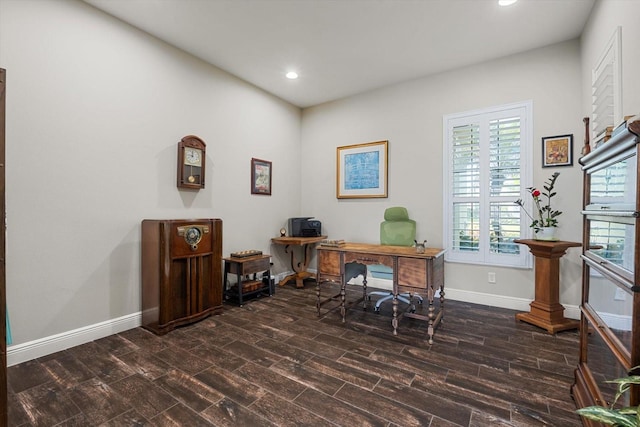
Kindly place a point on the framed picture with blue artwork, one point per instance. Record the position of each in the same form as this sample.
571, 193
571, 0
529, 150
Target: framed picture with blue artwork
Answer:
362, 170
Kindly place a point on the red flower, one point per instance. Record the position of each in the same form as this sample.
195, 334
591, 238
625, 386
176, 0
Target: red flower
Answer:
544, 215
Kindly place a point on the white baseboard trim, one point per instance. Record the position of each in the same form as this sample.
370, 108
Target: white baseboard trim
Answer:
615, 321
20, 353
41, 347
512, 303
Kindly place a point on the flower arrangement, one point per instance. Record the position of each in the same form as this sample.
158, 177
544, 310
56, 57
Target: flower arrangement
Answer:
545, 216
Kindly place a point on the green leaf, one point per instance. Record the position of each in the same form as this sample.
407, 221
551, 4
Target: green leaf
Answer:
634, 379
624, 384
629, 410
608, 416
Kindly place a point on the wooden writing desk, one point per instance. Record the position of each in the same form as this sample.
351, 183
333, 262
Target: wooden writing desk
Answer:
546, 310
299, 267
412, 272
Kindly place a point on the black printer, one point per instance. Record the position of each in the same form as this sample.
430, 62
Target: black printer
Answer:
305, 227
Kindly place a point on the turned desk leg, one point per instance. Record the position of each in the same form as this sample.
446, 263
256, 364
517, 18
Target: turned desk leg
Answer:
343, 310
431, 313
365, 302
394, 322
318, 297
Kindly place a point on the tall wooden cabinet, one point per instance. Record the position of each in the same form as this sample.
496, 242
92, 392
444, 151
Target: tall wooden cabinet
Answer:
181, 272
610, 319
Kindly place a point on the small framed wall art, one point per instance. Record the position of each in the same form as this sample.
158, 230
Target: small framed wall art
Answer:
260, 177
362, 170
557, 151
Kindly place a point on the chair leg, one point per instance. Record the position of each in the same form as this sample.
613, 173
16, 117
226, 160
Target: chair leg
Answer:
381, 300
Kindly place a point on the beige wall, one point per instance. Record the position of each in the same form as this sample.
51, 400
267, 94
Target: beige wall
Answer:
95, 109
410, 116
558, 81
606, 16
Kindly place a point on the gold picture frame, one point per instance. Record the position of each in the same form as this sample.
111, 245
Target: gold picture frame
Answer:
557, 151
362, 170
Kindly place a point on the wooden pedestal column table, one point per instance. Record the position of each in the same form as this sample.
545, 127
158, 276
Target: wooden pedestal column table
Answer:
299, 267
546, 310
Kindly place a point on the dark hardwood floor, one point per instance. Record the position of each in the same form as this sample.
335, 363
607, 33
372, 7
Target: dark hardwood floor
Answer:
273, 362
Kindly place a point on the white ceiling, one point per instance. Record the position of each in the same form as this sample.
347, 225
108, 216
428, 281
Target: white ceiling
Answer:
344, 47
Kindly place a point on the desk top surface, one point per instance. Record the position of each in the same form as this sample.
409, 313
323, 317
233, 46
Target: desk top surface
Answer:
289, 240
548, 245
406, 251
246, 258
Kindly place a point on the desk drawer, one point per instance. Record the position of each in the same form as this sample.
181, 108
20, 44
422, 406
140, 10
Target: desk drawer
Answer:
328, 263
369, 259
412, 272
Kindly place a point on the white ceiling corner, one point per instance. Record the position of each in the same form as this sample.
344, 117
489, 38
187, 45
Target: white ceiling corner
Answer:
344, 47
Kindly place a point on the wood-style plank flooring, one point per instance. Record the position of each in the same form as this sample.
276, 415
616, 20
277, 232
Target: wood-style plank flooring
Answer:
273, 362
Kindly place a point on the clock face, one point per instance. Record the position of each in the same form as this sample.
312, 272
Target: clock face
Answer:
191, 159
192, 156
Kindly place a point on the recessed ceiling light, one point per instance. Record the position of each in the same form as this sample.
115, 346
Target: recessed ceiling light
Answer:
506, 2
292, 75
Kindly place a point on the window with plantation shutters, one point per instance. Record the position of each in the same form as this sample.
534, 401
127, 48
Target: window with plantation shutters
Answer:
606, 90
487, 165
465, 185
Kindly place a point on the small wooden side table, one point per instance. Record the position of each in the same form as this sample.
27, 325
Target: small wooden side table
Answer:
299, 267
546, 310
248, 283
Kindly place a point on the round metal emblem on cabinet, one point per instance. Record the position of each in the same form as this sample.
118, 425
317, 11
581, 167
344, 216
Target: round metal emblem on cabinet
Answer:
193, 236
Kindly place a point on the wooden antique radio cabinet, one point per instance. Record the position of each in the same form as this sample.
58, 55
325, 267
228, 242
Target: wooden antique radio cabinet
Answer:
610, 309
181, 272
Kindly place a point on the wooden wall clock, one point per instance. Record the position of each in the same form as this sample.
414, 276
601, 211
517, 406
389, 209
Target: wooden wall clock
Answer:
191, 162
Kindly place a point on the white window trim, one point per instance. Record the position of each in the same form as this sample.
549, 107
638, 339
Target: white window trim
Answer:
524, 260
612, 55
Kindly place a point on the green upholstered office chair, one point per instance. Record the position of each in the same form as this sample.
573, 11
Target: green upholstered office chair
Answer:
397, 229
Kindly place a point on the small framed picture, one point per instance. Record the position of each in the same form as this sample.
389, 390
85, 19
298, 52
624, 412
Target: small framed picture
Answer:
557, 151
260, 177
